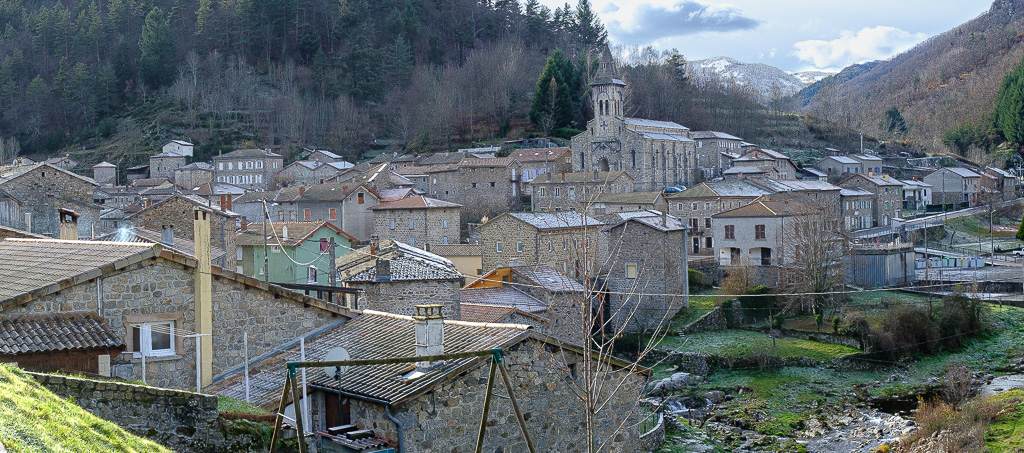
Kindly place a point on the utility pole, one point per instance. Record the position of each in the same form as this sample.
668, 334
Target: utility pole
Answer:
686, 266
332, 276
266, 256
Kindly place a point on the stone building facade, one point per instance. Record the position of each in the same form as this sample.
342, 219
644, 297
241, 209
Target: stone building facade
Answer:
645, 267
252, 169
30, 196
418, 221
697, 205
164, 164
773, 163
564, 241
954, 185
148, 285
488, 185
176, 211
858, 209
658, 154
887, 191
104, 173
571, 191
193, 175
540, 161
710, 146
309, 172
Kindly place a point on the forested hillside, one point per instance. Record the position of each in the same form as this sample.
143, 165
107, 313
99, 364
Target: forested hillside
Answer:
111, 79
935, 86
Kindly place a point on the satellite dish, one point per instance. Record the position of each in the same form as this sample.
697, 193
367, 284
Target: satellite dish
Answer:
334, 355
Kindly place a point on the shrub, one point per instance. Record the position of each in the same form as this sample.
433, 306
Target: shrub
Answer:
835, 324
956, 383
911, 328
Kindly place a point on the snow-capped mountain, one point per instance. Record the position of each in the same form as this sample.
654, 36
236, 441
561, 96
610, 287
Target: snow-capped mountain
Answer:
767, 80
809, 77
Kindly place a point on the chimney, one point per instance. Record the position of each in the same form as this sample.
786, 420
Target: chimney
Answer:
302, 190
595, 175
429, 323
203, 298
664, 218
167, 235
284, 232
68, 224
245, 224
383, 271
563, 176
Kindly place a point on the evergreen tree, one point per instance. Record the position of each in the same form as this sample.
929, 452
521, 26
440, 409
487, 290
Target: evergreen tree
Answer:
555, 100
893, 122
398, 63
1020, 231
1008, 115
156, 47
587, 27
363, 74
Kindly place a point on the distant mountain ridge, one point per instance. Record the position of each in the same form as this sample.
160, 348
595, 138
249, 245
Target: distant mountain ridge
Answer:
767, 80
949, 78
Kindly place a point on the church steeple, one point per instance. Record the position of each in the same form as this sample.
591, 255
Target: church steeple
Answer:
607, 89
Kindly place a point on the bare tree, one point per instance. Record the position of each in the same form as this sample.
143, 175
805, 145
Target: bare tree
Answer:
818, 248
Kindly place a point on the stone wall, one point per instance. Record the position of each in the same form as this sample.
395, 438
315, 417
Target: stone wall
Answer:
162, 290
641, 304
402, 297
183, 421
44, 189
653, 440
559, 249
179, 213
447, 418
712, 320
429, 226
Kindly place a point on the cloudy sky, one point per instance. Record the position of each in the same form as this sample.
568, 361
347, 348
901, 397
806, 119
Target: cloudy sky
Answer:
795, 35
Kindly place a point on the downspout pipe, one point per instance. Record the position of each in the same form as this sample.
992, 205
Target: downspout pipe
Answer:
386, 404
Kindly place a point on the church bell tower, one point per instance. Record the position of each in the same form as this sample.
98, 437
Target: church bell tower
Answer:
607, 90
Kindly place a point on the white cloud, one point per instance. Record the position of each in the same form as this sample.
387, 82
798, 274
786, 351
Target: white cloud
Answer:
868, 44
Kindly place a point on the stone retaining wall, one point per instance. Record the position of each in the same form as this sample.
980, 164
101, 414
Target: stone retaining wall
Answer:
180, 420
655, 438
712, 320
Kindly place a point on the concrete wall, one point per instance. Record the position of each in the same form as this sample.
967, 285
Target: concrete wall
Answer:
183, 421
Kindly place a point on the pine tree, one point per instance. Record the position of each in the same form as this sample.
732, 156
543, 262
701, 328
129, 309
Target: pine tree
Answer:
555, 102
587, 27
398, 63
157, 54
893, 122
1008, 115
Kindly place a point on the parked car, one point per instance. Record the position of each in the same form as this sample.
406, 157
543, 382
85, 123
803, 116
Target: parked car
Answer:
1019, 252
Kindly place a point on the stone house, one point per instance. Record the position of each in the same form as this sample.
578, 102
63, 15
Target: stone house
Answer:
888, 193
177, 211
155, 301
1001, 184
857, 208
439, 181
539, 161
309, 172
418, 221
566, 241
115, 196
569, 191
438, 406
774, 163
298, 251
710, 146
761, 237
380, 177
166, 238
745, 172
839, 165
320, 155
395, 277
954, 185
645, 266
179, 147
504, 304
868, 163
253, 169
467, 258
219, 194
345, 206
916, 194
30, 196
559, 295
658, 154
193, 175
164, 164
64, 162
819, 194
38, 342
488, 185
698, 204
603, 204
104, 173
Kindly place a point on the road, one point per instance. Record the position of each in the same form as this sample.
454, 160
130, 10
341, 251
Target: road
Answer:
927, 221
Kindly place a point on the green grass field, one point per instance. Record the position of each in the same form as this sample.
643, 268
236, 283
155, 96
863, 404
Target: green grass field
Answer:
34, 420
739, 343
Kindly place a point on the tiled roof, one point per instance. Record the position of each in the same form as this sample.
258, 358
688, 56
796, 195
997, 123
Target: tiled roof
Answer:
601, 177
412, 170
843, 160
554, 220
373, 335
196, 200
297, 233
104, 164
456, 250
443, 158
865, 157
882, 180
141, 235
9, 173
326, 153
51, 332
814, 171
628, 197
406, 263
661, 223
218, 188
326, 192
654, 123
418, 202
8, 232
854, 192
341, 166
247, 153
487, 162
504, 296
142, 183
538, 154
626, 215
484, 313
914, 183
387, 195
196, 166
47, 266
168, 154
548, 279
712, 134
807, 186
767, 152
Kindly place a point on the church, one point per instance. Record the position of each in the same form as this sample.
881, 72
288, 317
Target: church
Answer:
657, 154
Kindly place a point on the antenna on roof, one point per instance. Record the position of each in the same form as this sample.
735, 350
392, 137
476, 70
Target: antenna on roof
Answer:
336, 355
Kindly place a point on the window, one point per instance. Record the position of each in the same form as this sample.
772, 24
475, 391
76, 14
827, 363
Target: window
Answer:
238, 253
332, 214
412, 242
707, 222
693, 206
360, 197
392, 224
444, 240
708, 243
153, 339
311, 274
693, 223
759, 232
230, 165
306, 215
630, 270
550, 246
444, 223
412, 224
492, 183
707, 205
730, 231
498, 247
220, 166
519, 246
473, 185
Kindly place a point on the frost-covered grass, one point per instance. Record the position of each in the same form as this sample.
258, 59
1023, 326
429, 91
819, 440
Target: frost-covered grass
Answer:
741, 343
34, 420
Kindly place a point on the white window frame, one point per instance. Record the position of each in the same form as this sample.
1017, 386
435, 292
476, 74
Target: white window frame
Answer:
498, 246
519, 246
632, 270
392, 225
145, 344
444, 224
412, 224
311, 274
